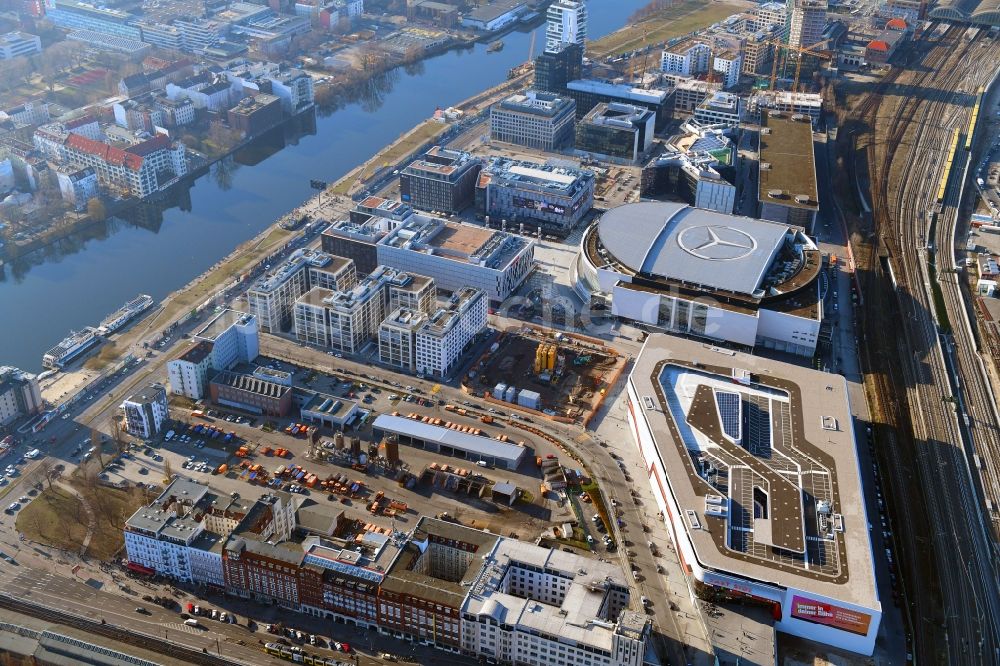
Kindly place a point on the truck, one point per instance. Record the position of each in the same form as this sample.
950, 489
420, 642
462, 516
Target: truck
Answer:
486, 418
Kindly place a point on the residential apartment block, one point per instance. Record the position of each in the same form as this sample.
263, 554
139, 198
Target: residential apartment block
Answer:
535, 119
19, 394
689, 57
145, 410
806, 23
545, 607
444, 336
272, 298
347, 320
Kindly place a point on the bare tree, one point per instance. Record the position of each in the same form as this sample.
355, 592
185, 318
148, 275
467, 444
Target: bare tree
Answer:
168, 469
96, 209
46, 469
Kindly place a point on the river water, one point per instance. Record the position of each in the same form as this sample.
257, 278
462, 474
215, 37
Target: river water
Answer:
78, 282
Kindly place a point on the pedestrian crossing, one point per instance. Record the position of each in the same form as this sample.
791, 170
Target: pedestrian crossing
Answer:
177, 626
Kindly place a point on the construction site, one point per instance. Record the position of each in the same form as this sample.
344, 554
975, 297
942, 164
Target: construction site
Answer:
539, 370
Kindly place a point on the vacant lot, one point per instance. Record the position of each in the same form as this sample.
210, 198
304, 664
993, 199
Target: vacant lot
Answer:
672, 22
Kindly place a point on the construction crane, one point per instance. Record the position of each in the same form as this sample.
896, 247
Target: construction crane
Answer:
825, 55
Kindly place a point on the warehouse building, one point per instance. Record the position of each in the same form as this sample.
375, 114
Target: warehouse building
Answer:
449, 442
534, 119
442, 180
787, 188
718, 432
616, 131
553, 197
705, 274
251, 393
458, 255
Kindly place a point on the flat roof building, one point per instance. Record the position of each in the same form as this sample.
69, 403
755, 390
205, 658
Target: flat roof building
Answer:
588, 93
397, 338
529, 600
518, 192
347, 320
710, 275
449, 442
535, 119
145, 411
15, 44
356, 239
272, 297
458, 255
446, 334
719, 432
441, 180
697, 166
617, 131
555, 69
19, 394
787, 188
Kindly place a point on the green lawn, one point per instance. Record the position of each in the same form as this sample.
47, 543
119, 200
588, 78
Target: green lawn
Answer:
667, 24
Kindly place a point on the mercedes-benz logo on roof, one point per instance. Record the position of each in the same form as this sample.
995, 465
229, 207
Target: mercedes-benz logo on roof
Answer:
716, 243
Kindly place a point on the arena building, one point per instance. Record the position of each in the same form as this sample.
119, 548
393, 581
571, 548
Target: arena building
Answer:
699, 272
754, 466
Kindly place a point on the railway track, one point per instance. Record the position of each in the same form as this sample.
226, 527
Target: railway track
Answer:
116, 633
910, 116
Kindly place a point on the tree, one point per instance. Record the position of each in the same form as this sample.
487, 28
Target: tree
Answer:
97, 210
168, 469
46, 469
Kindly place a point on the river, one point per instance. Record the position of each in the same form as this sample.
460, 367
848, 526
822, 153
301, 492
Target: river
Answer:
78, 282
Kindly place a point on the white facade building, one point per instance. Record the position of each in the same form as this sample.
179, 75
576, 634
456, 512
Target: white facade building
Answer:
444, 336
272, 298
740, 418
397, 338
688, 58
545, 607
458, 255
705, 274
16, 44
145, 411
19, 394
188, 374
729, 64
567, 24
234, 338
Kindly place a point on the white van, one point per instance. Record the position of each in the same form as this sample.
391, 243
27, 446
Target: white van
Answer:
191, 622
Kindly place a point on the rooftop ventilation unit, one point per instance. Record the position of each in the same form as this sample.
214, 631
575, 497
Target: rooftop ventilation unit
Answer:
765, 166
776, 194
802, 198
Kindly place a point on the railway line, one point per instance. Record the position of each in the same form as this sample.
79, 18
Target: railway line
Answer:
915, 118
120, 634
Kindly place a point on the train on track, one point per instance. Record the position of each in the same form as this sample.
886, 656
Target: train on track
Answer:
974, 119
948, 164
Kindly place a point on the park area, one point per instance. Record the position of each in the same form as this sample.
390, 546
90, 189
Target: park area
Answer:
62, 519
663, 24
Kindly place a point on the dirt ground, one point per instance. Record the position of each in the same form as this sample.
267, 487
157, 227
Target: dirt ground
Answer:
580, 373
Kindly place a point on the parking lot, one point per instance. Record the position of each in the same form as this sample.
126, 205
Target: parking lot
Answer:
200, 457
